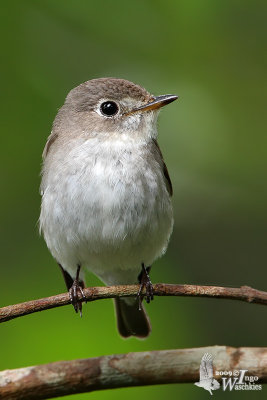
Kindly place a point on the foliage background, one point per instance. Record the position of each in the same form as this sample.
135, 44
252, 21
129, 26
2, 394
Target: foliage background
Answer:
212, 54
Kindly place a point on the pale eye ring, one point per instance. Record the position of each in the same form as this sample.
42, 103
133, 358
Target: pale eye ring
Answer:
109, 108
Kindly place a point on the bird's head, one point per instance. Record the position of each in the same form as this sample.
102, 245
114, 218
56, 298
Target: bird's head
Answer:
110, 107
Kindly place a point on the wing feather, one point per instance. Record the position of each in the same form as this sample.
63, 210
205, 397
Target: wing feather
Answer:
206, 367
164, 168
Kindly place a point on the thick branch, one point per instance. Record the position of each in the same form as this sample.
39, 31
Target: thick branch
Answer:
125, 370
244, 293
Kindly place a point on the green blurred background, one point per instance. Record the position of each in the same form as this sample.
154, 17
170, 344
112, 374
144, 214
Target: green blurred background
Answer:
213, 139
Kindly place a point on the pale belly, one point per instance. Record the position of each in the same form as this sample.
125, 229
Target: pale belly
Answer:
108, 218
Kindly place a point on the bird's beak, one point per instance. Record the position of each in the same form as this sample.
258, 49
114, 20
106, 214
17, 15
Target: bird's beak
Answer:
156, 102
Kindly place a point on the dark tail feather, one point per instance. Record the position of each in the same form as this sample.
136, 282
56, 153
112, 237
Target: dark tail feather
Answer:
130, 320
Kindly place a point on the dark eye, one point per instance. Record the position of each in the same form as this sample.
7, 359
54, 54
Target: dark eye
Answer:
109, 108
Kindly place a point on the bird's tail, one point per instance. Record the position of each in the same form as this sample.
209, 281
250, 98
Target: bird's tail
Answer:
130, 320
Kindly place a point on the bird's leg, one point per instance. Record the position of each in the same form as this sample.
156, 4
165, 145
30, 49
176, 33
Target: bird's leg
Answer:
74, 286
74, 290
145, 281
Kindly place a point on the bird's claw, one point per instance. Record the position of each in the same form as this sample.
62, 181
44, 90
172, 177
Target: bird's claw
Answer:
145, 282
75, 290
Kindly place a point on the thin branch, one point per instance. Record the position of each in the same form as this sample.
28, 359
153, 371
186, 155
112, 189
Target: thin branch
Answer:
125, 370
244, 293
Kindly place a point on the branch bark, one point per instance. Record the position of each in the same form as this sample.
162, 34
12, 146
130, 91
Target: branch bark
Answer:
244, 293
126, 370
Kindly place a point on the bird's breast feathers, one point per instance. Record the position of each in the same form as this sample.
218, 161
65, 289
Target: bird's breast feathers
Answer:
104, 200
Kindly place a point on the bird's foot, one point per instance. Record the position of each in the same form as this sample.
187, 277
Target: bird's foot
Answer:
75, 290
145, 282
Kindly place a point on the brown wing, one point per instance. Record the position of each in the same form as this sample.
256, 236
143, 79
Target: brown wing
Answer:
164, 168
51, 138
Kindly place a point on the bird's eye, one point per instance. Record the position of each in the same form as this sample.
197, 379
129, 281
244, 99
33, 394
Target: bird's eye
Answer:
109, 108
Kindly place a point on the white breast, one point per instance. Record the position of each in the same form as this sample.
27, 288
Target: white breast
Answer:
105, 206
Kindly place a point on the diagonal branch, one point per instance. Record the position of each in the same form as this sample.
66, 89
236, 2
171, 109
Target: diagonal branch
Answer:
244, 293
125, 370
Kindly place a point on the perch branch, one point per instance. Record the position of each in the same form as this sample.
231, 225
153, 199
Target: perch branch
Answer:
244, 293
125, 370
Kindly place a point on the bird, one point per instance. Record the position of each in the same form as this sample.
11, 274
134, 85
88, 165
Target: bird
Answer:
206, 380
106, 193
